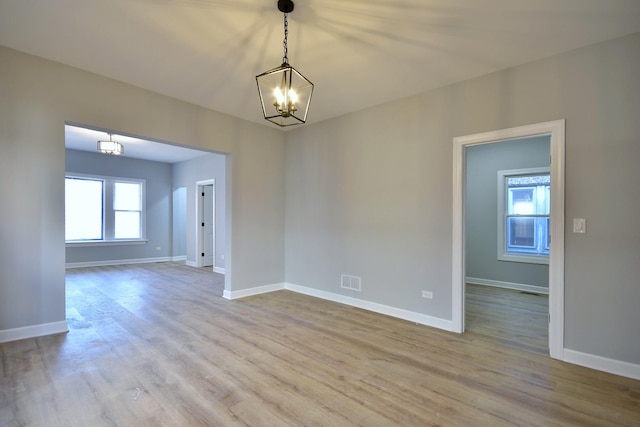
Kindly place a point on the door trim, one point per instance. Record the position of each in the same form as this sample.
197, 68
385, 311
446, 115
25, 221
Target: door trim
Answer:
556, 129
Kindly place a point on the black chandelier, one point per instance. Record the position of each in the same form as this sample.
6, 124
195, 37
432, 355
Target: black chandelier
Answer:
285, 94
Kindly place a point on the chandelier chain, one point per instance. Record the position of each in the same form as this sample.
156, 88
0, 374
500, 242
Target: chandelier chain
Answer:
285, 58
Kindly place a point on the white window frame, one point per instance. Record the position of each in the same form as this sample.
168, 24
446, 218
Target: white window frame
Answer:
503, 255
108, 214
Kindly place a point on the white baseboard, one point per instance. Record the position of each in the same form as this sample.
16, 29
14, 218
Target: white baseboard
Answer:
411, 316
33, 331
612, 366
117, 262
399, 313
508, 285
179, 258
252, 291
195, 265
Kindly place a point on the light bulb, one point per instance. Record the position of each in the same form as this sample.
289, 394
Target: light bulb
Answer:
277, 92
293, 96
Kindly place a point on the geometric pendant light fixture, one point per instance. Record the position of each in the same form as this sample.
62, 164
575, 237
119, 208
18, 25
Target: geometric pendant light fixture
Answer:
110, 147
285, 94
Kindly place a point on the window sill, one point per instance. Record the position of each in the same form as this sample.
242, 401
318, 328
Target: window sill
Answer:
529, 259
123, 242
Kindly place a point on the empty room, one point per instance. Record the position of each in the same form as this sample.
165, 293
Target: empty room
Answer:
330, 213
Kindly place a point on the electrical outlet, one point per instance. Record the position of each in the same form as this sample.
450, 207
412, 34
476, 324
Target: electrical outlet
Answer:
427, 294
158, 248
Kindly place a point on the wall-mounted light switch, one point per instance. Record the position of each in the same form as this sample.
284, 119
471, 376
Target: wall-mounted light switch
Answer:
579, 225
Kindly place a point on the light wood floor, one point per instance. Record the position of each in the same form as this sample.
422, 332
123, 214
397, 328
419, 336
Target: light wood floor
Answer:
511, 318
153, 345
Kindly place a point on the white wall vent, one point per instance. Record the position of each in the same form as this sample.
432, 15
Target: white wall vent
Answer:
350, 282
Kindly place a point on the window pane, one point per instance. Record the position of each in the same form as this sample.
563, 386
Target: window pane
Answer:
126, 196
521, 201
521, 232
548, 233
529, 194
547, 196
83, 209
127, 225
528, 180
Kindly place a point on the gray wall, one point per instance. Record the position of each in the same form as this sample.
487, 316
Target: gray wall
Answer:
481, 209
370, 193
158, 205
38, 97
179, 223
185, 175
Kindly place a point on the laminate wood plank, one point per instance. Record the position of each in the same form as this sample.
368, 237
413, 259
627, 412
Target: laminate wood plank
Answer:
514, 318
397, 358
156, 345
263, 357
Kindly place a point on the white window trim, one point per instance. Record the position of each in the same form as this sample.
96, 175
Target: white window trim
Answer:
108, 201
118, 242
503, 255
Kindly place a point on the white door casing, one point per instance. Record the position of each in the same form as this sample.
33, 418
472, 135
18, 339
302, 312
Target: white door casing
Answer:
556, 129
207, 225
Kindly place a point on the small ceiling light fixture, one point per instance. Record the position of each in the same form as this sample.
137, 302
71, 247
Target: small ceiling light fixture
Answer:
285, 94
110, 147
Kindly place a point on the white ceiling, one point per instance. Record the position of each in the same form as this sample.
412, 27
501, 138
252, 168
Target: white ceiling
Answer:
80, 138
358, 53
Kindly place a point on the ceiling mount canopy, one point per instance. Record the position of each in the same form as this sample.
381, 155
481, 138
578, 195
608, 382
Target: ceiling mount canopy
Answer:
285, 94
285, 6
110, 147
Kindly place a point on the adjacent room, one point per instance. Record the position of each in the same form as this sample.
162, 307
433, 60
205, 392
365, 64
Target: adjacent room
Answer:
507, 240
162, 221
320, 213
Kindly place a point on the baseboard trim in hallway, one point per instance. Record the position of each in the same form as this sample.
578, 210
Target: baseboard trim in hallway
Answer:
33, 331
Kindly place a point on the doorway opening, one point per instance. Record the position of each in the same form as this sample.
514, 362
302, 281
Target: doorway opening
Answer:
555, 131
506, 242
171, 173
206, 224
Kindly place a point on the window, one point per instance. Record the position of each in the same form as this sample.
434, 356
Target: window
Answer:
103, 209
83, 208
127, 208
524, 197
